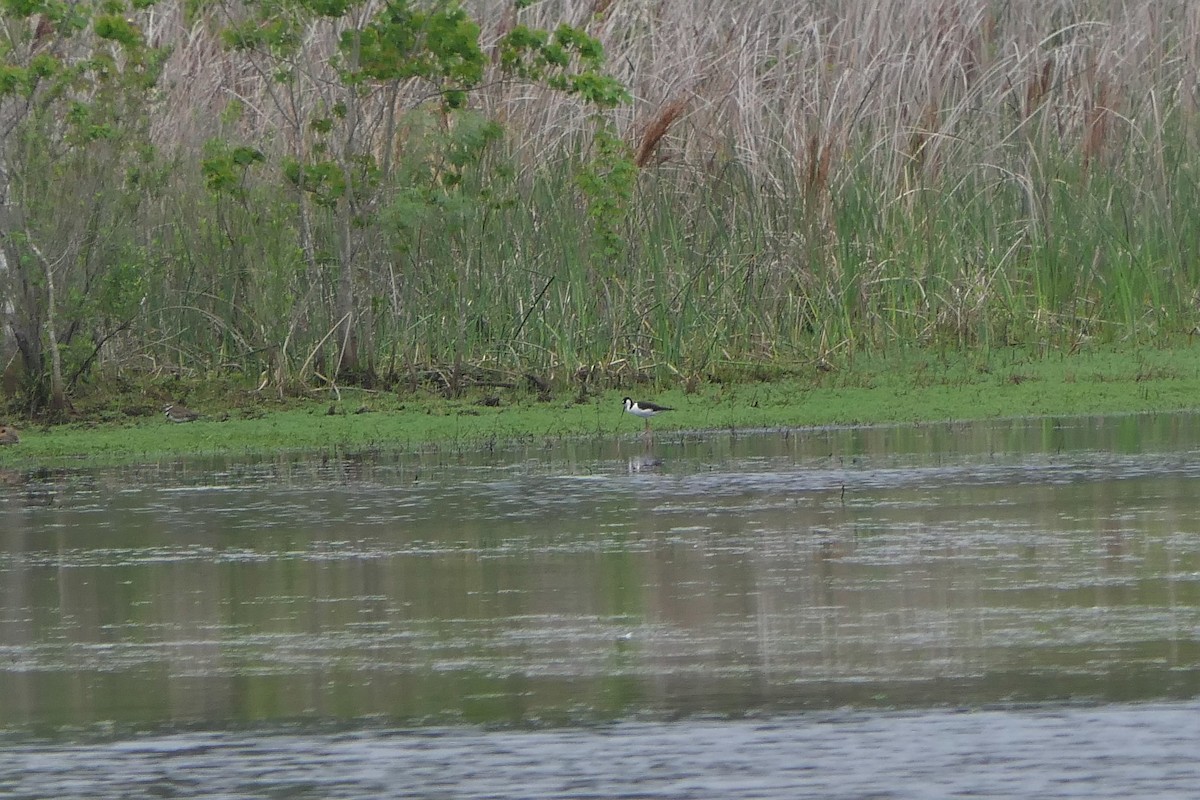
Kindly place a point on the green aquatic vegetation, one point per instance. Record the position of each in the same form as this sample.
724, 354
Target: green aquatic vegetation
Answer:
907, 387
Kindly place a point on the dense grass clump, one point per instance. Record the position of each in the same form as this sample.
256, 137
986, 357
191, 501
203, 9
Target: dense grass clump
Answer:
791, 186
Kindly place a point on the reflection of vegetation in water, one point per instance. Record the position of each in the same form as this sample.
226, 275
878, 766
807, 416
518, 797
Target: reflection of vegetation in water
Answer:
1017, 560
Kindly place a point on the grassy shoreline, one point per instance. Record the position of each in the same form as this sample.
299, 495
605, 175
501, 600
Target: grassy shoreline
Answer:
915, 387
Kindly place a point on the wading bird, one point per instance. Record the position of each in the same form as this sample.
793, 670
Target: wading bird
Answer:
640, 408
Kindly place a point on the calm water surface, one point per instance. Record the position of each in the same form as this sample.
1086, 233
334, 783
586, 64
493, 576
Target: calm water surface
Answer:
1004, 609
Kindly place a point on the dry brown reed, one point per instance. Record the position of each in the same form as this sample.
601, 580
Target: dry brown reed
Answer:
656, 129
771, 82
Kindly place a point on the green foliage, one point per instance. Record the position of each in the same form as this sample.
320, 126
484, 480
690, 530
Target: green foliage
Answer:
89, 122
123, 287
327, 181
245, 156
21, 9
118, 29
439, 45
12, 79
77, 163
567, 60
608, 181
374, 180
26, 79
225, 168
466, 141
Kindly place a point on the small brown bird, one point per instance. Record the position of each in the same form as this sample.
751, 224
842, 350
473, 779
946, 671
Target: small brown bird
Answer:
179, 413
9, 435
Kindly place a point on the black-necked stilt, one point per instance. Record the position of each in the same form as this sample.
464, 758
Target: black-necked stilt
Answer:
9, 435
643, 409
178, 413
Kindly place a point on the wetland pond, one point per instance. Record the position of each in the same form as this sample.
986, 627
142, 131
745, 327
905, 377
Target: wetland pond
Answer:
1000, 609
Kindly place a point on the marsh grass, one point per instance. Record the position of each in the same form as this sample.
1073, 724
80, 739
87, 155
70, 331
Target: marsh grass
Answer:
857, 176
817, 184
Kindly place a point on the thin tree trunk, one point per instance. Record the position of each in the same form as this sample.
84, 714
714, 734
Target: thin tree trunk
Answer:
58, 395
12, 332
348, 365
8, 310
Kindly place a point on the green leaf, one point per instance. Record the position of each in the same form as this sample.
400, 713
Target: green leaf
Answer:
569, 61
21, 9
245, 156
12, 80
118, 29
441, 46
